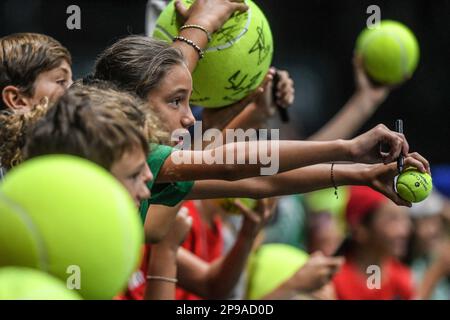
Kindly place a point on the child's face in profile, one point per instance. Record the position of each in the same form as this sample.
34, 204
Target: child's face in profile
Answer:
133, 172
52, 83
170, 100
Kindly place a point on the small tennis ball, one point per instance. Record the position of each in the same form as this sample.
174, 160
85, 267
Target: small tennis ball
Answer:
390, 52
236, 60
413, 185
70, 218
228, 204
270, 266
18, 283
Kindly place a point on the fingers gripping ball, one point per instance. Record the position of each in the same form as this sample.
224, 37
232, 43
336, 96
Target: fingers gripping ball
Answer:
18, 283
390, 52
236, 60
414, 186
72, 219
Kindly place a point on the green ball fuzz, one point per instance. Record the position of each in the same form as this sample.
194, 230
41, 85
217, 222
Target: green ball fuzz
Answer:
390, 52
228, 204
17, 283
270, 266
413, 185
70, 218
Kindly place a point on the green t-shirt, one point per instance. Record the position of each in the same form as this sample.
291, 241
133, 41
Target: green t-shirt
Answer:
168, 194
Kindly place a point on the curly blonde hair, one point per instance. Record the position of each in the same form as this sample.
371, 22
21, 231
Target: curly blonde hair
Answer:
127, 102
14, 128
99, 124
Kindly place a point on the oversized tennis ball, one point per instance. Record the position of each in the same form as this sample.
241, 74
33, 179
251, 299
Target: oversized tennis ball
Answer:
18, 283
236, 60
72, 219
228, 204
270, 266
390, 52
413, 185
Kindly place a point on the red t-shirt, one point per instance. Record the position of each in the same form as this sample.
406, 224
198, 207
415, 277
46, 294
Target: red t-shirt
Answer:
204, 241
396, 283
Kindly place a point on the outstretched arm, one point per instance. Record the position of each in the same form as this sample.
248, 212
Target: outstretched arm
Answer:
379, 177
360, 107
281, 156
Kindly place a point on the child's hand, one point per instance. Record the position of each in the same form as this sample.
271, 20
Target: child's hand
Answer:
210, 14
179, 230
381, 177
285, 94
316, 272
255, 220
374, 95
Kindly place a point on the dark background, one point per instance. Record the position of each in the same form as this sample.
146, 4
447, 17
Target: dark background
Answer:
314, 40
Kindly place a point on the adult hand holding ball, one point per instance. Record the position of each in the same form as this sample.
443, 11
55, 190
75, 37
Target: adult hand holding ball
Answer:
58, 211
413, 185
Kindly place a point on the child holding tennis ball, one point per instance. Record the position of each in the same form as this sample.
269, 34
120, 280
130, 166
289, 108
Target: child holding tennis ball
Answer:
176, 114
167, 87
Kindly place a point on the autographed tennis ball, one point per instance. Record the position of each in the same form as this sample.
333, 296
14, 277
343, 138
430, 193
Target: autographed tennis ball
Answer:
228, 204
69, 217
236, 60
413, 185
18, 283
390, 52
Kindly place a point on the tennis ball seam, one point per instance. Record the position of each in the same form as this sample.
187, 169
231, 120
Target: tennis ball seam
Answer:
403, 54
42, 254
409, 189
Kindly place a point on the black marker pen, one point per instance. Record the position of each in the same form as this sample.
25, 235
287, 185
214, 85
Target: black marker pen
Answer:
400, 160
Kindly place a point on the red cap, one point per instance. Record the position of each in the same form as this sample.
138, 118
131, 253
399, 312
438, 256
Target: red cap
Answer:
362, 201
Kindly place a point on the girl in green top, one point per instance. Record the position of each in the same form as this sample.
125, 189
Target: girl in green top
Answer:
158, 74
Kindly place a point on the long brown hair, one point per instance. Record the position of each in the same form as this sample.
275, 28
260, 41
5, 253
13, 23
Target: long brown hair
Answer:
137, 64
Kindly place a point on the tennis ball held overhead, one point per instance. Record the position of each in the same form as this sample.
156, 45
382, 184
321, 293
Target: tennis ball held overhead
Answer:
390, 52
413, 185
236, 59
